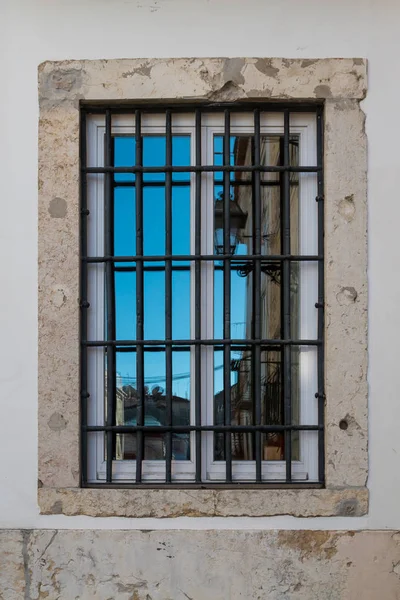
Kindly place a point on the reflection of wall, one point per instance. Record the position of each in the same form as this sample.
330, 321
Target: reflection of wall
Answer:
271, 372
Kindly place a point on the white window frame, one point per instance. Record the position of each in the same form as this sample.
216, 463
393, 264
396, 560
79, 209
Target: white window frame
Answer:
301, 124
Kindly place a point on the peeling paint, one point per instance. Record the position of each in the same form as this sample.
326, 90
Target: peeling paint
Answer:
265, 66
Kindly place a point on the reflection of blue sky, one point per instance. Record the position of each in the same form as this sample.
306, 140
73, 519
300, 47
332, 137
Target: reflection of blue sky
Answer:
154, 281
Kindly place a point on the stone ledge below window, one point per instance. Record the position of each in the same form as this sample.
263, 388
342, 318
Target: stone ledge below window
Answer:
164, 503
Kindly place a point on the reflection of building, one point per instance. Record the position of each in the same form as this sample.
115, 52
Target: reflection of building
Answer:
242, 397
155, 415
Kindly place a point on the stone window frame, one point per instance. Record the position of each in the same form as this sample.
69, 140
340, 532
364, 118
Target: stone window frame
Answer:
341, 84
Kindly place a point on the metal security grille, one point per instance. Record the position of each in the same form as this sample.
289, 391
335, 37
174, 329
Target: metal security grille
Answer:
267, 380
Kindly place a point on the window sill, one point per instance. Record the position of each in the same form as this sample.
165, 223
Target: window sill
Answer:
171, 503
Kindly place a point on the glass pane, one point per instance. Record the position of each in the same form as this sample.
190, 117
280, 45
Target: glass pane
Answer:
124, 221
154, 220
180, 302
241, 194
181, 156
241, 398
155, 403
125, 305
270, 300
181, 403
124, 156
153, 156
218, 300
303, 295
241, 302
181, 220
242, 404
154, 301
272, 409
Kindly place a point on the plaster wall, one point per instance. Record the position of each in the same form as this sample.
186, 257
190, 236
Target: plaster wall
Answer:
34, 31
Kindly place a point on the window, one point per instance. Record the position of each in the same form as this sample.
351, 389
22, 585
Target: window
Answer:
202, 296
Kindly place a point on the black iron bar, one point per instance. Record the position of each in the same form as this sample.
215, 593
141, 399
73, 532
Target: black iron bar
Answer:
152, 268
110, 297
217, 182
286, 303
204, 169
257, 333
130, 108
204, 342
139, 300
188, 428
83, 296
197, 301
188, 348
271, 484
227, 295
203, 257
157, 183
321, 293
168, 294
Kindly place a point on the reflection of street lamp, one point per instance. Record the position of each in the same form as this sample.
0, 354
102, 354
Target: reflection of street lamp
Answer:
237, 219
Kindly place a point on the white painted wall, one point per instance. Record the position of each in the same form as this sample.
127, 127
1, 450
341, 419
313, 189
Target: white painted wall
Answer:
32, 31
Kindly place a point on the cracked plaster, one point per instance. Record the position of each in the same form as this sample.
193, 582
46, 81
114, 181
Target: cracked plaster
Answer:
197, 565
341, 83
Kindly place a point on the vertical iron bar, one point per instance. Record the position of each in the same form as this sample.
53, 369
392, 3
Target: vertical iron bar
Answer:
321, 293
168, 293
197, 284
139, 300
227, 300
257, 294
83, 296
287, 366
110, 296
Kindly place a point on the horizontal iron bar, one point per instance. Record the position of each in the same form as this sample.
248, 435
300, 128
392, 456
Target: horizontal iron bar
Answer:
203, 169
132, 184
221, 342
207, 106
189, 428
234, 347
235, 258
187, 183
233, 485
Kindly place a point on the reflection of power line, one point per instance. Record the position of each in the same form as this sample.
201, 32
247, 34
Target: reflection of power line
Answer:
159, 378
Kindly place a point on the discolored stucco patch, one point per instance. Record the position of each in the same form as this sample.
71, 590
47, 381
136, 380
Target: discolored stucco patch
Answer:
57, 422
307, 544
58, 208
323, 91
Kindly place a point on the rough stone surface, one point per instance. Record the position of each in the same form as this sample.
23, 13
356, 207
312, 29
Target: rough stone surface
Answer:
199, 565
342, 84
12, 565
204, 503
217, 79
346, 293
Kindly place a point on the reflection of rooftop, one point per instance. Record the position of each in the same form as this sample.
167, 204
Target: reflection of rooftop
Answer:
148, 420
